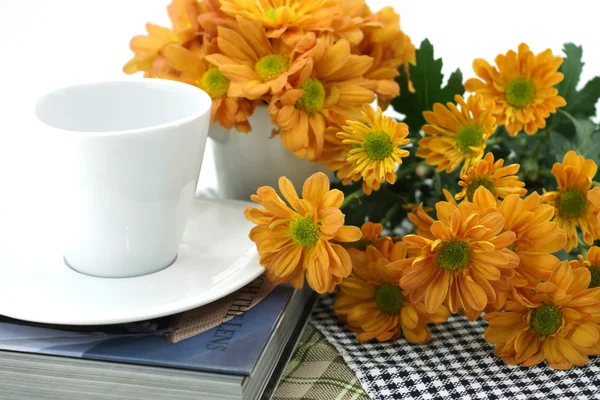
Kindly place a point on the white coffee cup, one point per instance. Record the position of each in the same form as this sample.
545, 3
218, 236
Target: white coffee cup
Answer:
128, 159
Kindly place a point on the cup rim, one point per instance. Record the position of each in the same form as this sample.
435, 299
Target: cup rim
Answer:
153, 81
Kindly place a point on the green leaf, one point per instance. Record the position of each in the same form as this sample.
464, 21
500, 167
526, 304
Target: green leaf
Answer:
427, 74
581, 103
426, 77
592, 151
407, 104
560, 145
563, 255
586, 138
584, 104
583, 128
453, 87
571, 69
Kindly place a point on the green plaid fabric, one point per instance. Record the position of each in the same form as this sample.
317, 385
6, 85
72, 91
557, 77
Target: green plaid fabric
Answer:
317, 372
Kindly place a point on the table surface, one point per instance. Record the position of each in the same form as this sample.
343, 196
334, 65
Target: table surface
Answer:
317, 371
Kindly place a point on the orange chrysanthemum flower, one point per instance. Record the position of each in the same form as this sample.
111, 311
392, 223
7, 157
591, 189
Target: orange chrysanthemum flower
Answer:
212, 17
522, 87
188, 65
492, 175
371, 236
295, 239
280, 16
350, 22
332, 80
183, 15
255, 65
390, 48
372, 304
457, 136
371, 231
421, 219
373, 149
147, 47
560, 325
422, 222
536, 238
572, 208
335, 153
413, 208
594, 198
466, 265
333, 148
592, 262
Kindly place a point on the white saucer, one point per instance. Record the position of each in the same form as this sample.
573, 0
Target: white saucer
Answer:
215, 259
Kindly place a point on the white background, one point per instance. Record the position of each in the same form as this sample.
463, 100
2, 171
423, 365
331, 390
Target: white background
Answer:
50, 43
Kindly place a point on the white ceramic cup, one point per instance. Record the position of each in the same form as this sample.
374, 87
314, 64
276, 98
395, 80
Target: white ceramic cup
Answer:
128, 159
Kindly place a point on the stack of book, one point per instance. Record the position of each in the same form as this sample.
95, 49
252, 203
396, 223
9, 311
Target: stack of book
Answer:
241, 357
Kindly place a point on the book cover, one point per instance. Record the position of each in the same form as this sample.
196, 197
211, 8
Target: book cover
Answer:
232, 347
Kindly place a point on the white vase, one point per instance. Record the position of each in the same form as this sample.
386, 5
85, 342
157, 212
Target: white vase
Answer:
246, 161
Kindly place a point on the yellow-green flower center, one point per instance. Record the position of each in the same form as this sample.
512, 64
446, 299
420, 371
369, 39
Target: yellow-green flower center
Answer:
314, 96
546, 319
214, 83
486, 183
595, 272
271, 66
389, 299
304, 231
469, 136
270, 14
520, 92
453, 255
378, 145
571, 203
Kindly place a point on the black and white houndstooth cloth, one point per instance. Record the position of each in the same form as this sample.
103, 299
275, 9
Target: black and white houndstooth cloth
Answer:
457, 364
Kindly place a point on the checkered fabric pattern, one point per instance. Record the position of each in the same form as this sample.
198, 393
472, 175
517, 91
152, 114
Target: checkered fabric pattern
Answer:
457, 364
317, 372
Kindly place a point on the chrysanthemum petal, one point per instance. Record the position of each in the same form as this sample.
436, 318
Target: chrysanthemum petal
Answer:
315, 187
472, 294
526, 345
436, 291
409, 317
286, 260
347, 234
570, 353
586, 334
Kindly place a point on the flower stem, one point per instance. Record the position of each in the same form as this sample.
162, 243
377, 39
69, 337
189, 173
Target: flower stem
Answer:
437, 181
356, 195
582, 249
